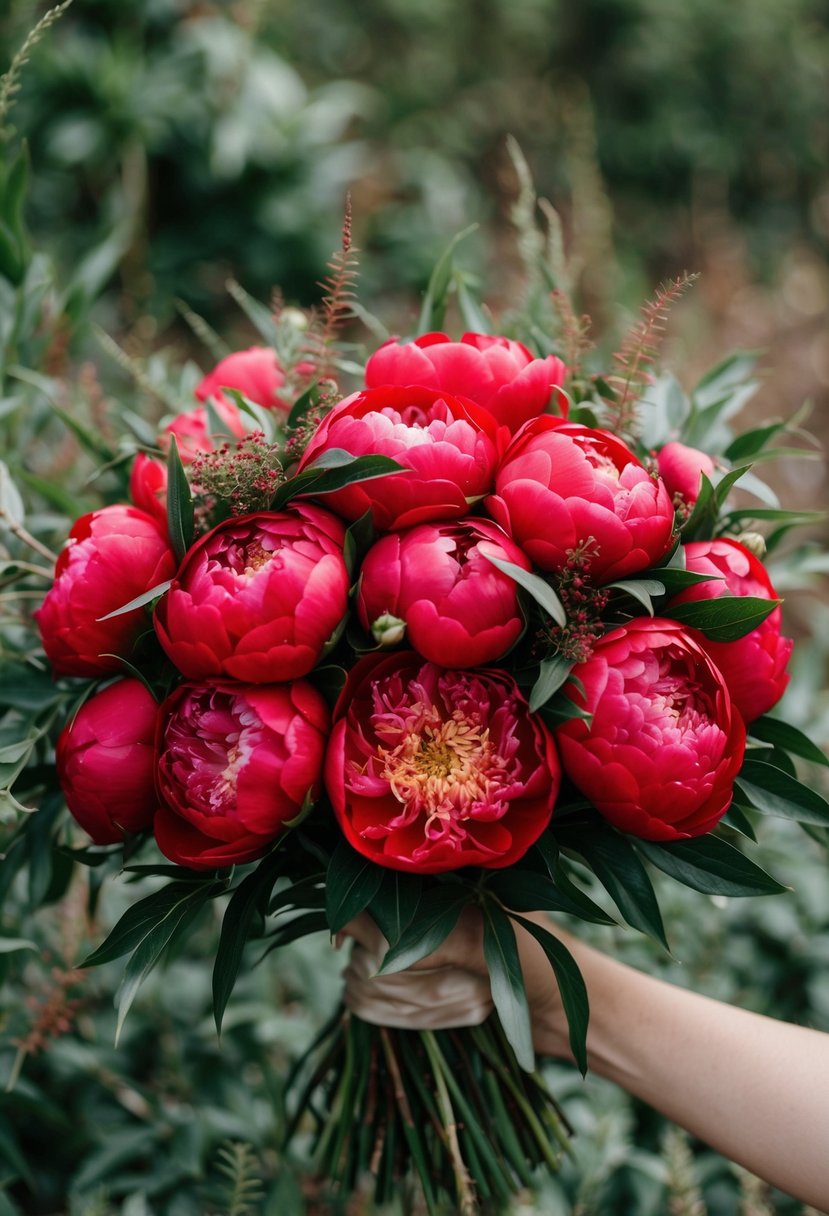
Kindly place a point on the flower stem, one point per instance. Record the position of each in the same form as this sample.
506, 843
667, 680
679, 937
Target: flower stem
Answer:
467, 1204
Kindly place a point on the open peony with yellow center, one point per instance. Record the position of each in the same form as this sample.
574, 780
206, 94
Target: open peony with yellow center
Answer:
430, 769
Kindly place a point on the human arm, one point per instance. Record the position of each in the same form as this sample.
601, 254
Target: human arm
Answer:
755, 1089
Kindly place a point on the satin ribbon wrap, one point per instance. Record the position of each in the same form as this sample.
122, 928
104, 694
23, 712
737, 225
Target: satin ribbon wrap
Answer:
429, 998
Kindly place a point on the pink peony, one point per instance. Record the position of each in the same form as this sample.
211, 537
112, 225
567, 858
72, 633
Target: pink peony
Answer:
112, 556
754, 666
448, 445
664, 745
497, 373
235, 763
458, 608
193, 431
431, 770
105, 759
257, 598
256, 373
148, 486
566, 492
681, 468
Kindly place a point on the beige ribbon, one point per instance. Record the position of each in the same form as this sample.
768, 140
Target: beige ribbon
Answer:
430, 998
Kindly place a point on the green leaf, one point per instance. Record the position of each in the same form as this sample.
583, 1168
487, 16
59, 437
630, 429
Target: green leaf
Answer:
541, 592
773, 792
788, 737
303, 405
737, 819
146, 597
351, 884
248, 901
332, 471
180, 517
641, 589
9, 945
433, 309
526, 891
710, 865
675, 580
571, 987
437, 914
614, 862
506, 981
140, 919
751, 443
394, 906
474, 318
726, 618
552, 674
153, 945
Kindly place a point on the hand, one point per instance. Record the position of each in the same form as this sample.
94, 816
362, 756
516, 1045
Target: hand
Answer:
462, 976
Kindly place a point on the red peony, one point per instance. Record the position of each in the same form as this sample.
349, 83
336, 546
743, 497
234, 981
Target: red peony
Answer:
664, 745
105, 759
458, 608
194, 433
256, 373
681, 468
566, 492
112, 556
235, 764
497, 373
430, 770
448, 445
754, 666
148, 486
257, 598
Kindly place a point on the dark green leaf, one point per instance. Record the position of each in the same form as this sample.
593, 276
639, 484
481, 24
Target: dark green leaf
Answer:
571, 987
437, 915
726, 618
710, 865
750, 443
616, 865
507, 983
295, 928
303, 404
247, 903
675, 579
788, 737
395, 904
350, 885
552, 674
180, 517
332, 471
522, 890
139, 920
152, 945
737, 819
541, 591
774, 792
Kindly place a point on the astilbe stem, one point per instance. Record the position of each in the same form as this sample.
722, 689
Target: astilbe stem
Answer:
638, 353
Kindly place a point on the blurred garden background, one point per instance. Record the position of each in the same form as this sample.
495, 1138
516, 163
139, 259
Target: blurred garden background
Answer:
176, 146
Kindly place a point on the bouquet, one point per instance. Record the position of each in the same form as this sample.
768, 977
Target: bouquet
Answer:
488, 631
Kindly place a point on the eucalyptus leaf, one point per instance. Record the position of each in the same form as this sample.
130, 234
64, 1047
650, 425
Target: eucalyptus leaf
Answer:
552, 674
140, 601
